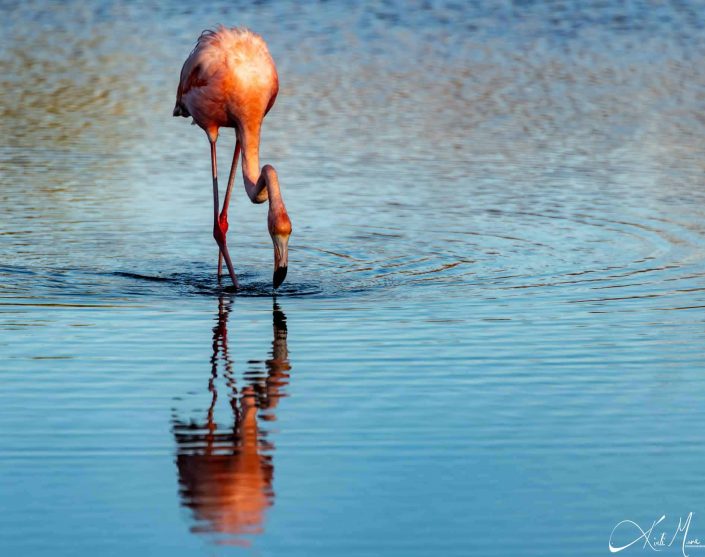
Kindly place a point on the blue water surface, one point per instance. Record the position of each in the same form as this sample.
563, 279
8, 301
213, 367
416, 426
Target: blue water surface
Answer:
490, 340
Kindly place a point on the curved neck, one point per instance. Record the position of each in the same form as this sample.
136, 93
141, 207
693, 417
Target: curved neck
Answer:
270, 183
256, 183
250, 157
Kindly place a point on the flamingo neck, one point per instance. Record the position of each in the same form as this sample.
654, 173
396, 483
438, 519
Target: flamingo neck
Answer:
271, 181
277, 219
260, 184
256, 189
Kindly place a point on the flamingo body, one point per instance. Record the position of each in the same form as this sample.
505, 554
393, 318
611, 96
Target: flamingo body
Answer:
228, 80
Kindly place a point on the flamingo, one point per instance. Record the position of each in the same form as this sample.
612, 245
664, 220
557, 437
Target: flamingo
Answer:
230, 80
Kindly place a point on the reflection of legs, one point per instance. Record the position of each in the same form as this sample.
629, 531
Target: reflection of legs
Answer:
221, 349
218, 232
263, 393
223, 220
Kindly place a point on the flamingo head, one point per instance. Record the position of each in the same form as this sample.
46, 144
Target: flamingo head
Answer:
281, 256
279, 230
278, 223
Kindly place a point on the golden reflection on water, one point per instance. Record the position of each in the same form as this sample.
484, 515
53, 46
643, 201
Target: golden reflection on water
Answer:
225, 471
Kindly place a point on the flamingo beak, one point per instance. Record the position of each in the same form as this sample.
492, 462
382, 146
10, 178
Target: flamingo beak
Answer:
281, 258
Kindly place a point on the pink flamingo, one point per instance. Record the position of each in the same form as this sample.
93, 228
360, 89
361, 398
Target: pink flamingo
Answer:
230, 80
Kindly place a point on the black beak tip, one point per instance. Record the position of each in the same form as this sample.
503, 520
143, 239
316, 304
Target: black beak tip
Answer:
279, 276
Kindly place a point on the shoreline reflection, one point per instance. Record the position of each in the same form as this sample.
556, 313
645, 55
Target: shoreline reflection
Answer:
225, 470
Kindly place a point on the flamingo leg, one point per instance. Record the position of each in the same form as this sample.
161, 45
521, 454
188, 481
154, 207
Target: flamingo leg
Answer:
218, 232
223, 219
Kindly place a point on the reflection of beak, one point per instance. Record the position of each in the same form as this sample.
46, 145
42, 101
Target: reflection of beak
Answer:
281, 258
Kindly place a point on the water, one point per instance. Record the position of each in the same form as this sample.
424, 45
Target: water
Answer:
490, 338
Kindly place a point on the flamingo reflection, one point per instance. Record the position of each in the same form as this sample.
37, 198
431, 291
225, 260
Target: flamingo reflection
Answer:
225, 473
